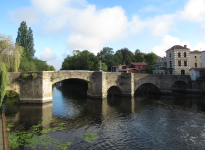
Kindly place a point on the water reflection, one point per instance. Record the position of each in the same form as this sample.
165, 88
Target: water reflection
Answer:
144, 122
30, 114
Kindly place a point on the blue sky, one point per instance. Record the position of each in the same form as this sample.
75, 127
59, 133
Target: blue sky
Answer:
61, 26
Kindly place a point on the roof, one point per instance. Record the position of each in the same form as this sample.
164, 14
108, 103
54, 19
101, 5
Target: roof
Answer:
177, 47
194, 52
119, 65
198, 69
128, 69
139, 63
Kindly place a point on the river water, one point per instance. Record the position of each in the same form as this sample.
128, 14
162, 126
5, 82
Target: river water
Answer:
144, 122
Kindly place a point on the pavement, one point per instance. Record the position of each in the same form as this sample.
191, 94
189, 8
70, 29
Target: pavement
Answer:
1, 132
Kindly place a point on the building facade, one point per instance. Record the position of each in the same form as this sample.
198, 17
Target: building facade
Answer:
140, 66
196, 73
203, 59
160, 68
178, 60
118, 68
195, 59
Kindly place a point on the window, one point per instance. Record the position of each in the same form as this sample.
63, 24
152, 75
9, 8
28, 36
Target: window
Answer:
185, 63
179, 54
170, 63
170, 55
184, 54
170, 71
195, 64
179, 63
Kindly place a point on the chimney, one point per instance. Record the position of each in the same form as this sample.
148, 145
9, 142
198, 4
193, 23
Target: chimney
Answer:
185, 46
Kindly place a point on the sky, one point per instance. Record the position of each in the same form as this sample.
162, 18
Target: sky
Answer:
61, 26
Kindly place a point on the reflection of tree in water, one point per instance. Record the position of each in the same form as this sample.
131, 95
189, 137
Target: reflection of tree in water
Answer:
11, 105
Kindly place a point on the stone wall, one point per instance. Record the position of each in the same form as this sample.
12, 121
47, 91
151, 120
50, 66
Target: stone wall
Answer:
122, 80
39, 89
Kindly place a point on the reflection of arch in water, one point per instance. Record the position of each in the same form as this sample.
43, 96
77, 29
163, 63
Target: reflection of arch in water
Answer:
114, 91
180, 84
147, 87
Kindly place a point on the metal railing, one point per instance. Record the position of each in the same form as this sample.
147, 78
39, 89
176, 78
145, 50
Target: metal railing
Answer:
6, 138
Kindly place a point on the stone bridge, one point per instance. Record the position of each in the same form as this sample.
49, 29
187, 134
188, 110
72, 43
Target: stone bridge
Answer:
36, 87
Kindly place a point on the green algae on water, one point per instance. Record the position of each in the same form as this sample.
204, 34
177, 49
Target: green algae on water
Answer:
90, 137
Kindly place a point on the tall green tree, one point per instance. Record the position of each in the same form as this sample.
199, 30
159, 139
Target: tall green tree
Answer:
126, 52
139, 56
25, 39
107, 57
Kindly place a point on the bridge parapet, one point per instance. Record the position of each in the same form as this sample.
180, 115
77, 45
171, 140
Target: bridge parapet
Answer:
36, 87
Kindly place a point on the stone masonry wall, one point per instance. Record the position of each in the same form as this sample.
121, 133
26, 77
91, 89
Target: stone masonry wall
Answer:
39, 90
122, 80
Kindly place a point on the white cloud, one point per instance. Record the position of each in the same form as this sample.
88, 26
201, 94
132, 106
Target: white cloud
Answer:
168, 42
92, 29
194, 11
158, 26
47, 54
55, 63
28, 14
200, 46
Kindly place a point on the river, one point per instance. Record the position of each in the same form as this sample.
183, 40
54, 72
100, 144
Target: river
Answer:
146, 121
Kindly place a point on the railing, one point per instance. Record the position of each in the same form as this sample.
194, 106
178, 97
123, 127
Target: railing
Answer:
6, 138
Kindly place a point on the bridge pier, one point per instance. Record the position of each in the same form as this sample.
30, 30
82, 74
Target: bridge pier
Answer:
36, 87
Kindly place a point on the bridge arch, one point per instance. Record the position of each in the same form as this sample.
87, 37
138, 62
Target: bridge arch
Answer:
114, 90
148, 86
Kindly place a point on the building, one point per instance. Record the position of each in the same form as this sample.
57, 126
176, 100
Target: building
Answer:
178, 60
129, 70
160, 68
139, 66
203, 59
135, 66
118, 68
195, 59
197, 73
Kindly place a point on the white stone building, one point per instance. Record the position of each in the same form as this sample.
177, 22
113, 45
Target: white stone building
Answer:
203, 59
178, 60
196, 73
195, 59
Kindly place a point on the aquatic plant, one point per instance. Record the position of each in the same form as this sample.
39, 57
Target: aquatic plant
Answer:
90, 137
36, 138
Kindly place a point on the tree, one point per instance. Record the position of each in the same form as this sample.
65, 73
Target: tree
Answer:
106, 56
151, 59
104, 67
139, 57
52, 68
126, 52
127, 60
84, 60
120, 57
10, 55
25, 39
